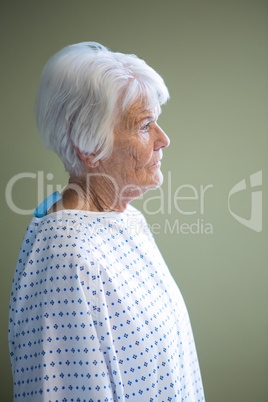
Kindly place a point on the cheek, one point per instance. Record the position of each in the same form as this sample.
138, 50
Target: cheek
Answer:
144, 158
143, 151
134, 153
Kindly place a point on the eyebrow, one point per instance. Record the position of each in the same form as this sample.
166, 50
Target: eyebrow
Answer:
149, 116
145, 118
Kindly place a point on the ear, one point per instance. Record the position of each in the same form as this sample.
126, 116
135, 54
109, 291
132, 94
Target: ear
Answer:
87, 158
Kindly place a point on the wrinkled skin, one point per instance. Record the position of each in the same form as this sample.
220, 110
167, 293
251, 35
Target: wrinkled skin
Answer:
135, 161
132, 168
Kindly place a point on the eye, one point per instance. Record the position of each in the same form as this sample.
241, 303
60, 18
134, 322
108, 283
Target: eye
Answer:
146, 127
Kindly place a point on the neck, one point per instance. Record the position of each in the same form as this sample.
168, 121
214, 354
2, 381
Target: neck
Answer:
97, 193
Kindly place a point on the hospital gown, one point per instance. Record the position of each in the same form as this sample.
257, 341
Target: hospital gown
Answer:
95, 314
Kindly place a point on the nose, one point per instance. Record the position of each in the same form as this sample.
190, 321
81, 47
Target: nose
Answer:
162, 140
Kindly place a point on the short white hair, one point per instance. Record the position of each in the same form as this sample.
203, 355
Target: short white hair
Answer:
84, 88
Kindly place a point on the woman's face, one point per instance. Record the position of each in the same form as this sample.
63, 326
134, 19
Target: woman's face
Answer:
135, 161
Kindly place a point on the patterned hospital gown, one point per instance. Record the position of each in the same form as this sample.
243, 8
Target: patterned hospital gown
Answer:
96, 316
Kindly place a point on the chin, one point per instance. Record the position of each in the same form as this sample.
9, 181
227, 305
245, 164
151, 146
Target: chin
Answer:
156, 182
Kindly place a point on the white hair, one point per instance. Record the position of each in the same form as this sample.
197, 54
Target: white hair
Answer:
83, 89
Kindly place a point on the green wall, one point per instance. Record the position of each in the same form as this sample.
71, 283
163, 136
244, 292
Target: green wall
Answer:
213, 57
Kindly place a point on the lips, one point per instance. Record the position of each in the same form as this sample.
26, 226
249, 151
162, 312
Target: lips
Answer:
157, 163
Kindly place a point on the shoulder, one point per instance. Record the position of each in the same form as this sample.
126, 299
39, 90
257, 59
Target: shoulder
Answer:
56, 252
56, 237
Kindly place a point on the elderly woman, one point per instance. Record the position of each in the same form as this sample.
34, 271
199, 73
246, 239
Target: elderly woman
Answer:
95, 314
